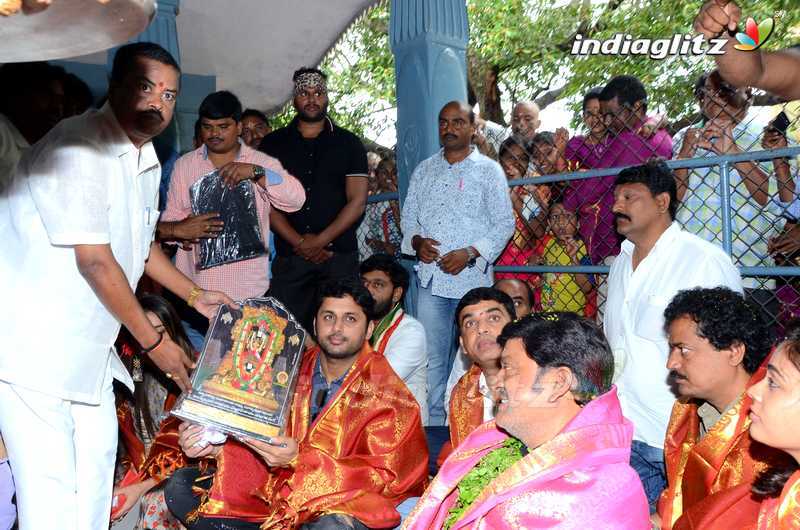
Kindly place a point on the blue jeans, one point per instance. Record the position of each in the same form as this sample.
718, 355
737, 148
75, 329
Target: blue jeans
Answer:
648, 461
195, 336
437, 315
410, 298
405, 508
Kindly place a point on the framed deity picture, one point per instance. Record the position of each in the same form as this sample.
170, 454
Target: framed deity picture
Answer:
244, 380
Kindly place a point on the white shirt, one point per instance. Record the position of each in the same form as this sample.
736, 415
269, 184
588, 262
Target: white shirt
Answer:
83, 183
407, 354
459, 205
12, 143
488, 404
634, 320
461, 366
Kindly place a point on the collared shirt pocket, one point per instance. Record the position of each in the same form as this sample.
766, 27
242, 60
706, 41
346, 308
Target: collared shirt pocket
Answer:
649, 318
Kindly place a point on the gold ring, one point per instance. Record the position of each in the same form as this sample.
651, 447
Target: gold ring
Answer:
169, 375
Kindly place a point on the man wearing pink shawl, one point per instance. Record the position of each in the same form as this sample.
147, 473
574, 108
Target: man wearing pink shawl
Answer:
556, 455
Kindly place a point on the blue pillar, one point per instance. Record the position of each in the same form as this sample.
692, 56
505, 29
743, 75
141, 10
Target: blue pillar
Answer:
429, 42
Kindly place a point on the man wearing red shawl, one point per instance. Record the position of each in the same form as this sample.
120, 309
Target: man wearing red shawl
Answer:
717, 343
354, 446
557, 454
480, 316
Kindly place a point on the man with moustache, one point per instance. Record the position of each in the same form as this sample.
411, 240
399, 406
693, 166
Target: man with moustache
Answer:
78, 223
556, 454
457, 219
717, 343
657, 260
354, 447
397, 335
318, 242
220, 128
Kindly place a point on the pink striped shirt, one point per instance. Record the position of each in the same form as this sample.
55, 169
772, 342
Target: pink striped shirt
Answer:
242, 279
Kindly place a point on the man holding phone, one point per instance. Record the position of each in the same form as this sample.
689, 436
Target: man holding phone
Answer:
724, 130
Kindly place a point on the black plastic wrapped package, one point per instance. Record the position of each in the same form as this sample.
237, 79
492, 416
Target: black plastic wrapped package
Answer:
241, 236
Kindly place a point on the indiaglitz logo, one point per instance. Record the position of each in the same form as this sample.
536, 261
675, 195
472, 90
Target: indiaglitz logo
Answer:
755, 35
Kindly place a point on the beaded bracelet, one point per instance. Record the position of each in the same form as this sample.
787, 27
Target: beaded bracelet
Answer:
156, 345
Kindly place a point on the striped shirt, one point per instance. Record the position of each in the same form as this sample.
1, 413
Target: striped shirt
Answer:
241, 279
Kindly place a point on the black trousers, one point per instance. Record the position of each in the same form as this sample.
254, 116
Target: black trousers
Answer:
295, 281
181, 501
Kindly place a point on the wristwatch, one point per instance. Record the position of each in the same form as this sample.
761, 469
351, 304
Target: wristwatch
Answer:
472, 256
258, 172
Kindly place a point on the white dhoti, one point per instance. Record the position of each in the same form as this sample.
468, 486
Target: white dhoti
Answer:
62, 455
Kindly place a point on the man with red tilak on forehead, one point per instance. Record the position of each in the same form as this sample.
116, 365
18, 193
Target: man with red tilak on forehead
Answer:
77, 225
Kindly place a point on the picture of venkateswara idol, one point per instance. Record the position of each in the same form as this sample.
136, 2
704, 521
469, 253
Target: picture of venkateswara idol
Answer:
244, 379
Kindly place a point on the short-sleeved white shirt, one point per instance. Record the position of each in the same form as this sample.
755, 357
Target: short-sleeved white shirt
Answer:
634, 320
83, 183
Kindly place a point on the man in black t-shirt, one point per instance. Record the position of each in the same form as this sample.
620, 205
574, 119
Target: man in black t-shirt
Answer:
318, 242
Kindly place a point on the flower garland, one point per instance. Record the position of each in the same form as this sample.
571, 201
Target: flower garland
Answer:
488, 468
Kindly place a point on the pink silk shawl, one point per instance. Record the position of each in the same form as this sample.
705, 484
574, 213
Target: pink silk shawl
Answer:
579, 479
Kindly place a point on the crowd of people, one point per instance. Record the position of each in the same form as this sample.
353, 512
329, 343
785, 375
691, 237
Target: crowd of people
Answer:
433, 392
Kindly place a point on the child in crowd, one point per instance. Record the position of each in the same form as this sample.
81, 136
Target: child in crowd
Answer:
389, 237
564, 291
150, 447
514, 160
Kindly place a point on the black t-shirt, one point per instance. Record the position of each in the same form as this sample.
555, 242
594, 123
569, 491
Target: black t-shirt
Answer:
322, 165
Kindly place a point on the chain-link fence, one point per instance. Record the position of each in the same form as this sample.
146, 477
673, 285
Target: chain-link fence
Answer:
736, 177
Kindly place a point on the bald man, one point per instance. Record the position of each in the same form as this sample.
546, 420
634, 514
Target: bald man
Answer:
521, 294
525, 122
457, 218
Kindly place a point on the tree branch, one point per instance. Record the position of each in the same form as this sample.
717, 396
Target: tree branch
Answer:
550, 97
588, 30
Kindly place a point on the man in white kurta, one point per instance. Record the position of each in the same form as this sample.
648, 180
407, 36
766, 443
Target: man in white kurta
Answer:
77, 223
657, 260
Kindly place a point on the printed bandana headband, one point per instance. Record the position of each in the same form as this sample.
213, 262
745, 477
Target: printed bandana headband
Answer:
309, 80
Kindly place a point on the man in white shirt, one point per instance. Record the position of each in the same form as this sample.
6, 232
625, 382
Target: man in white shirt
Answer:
457, 218
657, 260
77, 222
397, 336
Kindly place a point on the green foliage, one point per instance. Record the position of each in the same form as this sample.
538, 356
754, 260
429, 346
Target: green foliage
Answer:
491, 466
361, 80
528, 42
